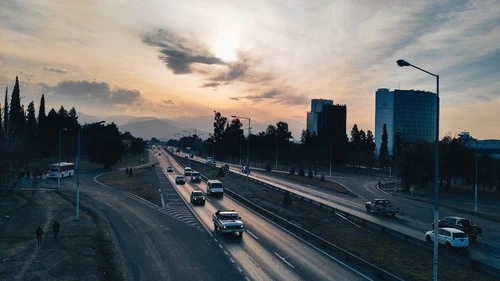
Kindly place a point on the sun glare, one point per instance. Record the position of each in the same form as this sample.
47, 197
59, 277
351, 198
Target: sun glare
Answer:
225, 47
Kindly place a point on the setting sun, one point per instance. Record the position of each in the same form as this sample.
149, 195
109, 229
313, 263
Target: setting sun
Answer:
225, 47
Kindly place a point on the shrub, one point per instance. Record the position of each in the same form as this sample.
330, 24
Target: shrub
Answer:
292, 171
322, 178
310, 174
268, 167
301, 173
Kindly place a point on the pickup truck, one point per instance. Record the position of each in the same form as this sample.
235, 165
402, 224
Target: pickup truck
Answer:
228, 221
382, 207
463, 224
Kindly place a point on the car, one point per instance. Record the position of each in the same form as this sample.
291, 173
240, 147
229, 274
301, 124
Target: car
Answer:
463, 224
449, 237
225, 167
170, 169
195, 177
197, 198
180, 179
187, 171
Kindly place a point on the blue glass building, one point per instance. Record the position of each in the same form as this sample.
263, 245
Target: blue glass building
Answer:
410, 113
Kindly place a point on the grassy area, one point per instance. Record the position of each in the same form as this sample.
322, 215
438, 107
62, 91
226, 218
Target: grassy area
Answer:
316, 181
141, 183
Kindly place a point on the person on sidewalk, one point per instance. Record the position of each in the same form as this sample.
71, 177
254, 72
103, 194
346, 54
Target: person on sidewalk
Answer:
55, 228
39, 233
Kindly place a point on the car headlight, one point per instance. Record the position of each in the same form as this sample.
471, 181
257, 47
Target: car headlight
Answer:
224, 226
242, 226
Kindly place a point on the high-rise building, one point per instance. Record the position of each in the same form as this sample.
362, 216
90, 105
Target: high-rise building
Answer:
328, 122
409, 113
314, 117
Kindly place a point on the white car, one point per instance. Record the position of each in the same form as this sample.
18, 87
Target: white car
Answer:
449, 237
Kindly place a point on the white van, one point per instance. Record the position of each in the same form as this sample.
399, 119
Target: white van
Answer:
187, 171
214, 187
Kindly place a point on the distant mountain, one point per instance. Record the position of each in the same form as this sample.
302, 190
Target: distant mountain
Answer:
174, 128
148, 129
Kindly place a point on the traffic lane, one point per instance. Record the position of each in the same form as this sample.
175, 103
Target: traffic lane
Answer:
157, 246
267, 257
290, 251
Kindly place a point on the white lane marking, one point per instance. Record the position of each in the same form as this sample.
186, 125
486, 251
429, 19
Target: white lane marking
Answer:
253, 235
231, 259
284, 260
225, 252
496, 256
220, 246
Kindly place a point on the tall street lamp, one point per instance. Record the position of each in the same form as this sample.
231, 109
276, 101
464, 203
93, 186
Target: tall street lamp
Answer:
78, 139
59, 159
402, 63
248, 142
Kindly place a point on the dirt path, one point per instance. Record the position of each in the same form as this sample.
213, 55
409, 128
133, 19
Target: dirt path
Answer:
79, 253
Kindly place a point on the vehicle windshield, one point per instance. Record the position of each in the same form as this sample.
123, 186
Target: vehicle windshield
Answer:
197, 193
230, 216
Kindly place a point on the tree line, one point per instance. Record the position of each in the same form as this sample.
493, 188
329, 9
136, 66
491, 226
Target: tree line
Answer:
29, 142
411, 163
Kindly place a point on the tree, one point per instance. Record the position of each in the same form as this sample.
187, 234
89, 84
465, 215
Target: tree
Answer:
103, 144
16, 114
384, 150
6, 111
31, 121
41, 110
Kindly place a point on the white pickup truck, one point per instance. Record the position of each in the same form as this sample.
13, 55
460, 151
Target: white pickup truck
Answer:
228, 221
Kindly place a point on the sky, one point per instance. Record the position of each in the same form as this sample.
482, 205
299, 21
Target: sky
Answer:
261, 59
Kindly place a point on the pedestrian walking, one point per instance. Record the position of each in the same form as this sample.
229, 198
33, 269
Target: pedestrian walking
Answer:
39, 233
55, 228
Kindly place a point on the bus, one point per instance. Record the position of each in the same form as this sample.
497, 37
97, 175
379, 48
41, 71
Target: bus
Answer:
67, 170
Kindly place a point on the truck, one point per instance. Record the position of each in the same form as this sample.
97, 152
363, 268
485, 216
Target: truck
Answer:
228, 221
382, 207
214, 187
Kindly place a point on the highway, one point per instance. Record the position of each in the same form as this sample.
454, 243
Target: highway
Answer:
266, 251
414, 219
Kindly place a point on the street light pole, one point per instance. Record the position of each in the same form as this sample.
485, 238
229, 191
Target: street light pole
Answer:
78, 140
402, 63
59, 160
475, 180
248, 143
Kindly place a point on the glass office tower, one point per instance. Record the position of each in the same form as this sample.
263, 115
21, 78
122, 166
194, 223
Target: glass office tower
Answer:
408, 112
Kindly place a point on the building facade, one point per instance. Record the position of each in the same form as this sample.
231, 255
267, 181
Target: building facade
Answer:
409, 113
314, 116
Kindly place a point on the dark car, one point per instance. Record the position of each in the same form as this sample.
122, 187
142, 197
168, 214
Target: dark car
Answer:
197, 198
195, 177
463, 224
180, 180
225, 167
170, 169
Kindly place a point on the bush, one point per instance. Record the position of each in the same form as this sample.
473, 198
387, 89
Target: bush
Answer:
301, 173
310, 174
268, 167
126, 171
322, 178
292, 171
130, 173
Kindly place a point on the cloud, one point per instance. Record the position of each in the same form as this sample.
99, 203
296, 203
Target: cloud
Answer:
178, 54
168, 102
187, 57
97, 92
55, 70
275, 96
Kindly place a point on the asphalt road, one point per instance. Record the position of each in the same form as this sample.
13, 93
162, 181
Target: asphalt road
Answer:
155, 244
266, 251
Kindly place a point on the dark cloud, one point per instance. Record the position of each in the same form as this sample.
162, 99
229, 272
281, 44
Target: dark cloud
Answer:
184, 57
275, 96
179, 54
97, 92
55, 70
168, 102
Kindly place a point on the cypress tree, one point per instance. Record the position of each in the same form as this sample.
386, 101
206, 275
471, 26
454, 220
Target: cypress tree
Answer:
41, 110
16, 114
6, 111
